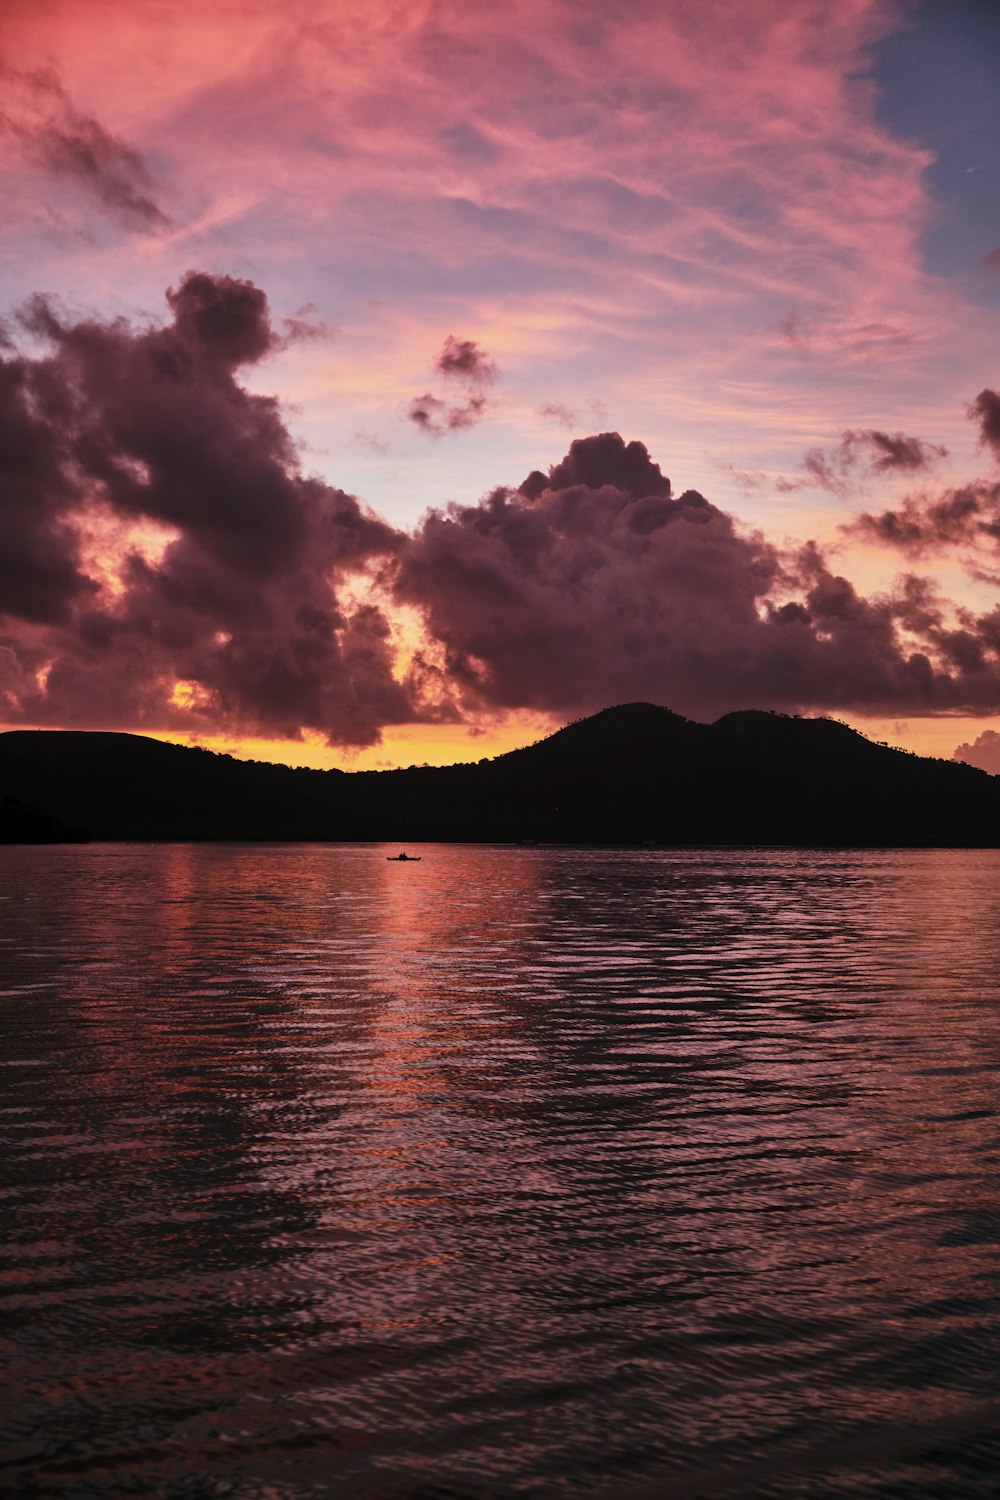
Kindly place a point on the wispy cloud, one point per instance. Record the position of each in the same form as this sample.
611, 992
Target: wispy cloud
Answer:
63, 141
860, 455
555, 411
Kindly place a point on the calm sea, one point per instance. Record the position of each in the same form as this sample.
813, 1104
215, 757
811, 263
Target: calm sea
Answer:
514, 1172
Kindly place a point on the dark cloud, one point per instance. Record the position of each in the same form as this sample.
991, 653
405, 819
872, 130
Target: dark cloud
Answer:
460, 360
863, 452
463, 359
224, 319
984, 752
66, 143
921, 525
985, 410
595, 584
992, 260
41, 575
165, 563
895, 452
604, 459
968, 515
229, 576
436, 417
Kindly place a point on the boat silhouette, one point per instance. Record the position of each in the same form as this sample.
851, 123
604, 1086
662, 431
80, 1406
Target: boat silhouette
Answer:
409, 859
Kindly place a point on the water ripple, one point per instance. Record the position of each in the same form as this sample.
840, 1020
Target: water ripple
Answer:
530, 1172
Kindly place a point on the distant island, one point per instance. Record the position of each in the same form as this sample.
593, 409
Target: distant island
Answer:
634, 774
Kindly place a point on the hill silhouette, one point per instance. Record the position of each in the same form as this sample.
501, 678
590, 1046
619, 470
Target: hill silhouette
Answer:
631, 774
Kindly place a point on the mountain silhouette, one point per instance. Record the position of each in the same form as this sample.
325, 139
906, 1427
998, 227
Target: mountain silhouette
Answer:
631, 774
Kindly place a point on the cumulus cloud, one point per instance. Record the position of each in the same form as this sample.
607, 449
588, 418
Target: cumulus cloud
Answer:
464, 362
594, 583
165, 559
603, 460
57, 137
166, 563
983, 752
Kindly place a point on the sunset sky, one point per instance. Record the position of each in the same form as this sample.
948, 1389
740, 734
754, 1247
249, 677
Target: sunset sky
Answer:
688, 309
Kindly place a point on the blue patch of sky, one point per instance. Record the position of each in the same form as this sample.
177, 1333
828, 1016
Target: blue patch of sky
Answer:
938, 77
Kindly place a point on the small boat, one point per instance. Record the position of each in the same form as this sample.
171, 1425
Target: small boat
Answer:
408, 859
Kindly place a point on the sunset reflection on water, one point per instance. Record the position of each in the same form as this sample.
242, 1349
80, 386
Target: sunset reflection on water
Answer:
511, 1171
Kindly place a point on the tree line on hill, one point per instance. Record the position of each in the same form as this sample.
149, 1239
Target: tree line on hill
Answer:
631, 774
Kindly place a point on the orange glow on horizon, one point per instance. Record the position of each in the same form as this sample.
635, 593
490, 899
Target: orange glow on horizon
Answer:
452, 744
937, 737
402, 745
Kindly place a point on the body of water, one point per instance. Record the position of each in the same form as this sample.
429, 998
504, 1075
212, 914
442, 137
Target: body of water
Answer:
511, 1172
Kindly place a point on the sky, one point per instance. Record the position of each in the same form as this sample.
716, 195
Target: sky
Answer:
391, 382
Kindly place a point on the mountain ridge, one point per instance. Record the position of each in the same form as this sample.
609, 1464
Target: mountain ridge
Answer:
631, 773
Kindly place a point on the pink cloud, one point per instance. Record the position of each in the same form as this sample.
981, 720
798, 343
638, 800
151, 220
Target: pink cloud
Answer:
984, 752
626, 203
687, 158
555, 411
75, 147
